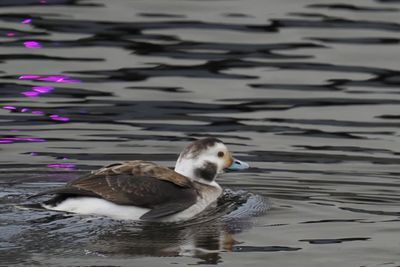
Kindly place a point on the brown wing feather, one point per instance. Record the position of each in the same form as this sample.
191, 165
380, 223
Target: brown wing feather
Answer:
141, 168
125, 189
136, 183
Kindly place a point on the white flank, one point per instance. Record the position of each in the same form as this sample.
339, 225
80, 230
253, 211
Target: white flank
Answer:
98, 206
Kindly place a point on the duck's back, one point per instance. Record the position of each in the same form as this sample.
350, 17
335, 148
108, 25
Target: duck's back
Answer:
158, 190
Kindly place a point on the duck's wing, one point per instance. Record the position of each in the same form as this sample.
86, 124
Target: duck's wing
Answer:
136, 183
143, 168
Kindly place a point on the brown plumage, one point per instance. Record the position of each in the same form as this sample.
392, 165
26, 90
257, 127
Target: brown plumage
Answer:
136, 183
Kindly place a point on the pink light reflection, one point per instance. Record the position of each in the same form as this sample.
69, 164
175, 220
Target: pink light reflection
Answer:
32, 45
49, 78
10, 34
37, 90
28, 77
16, 139
30, 94
26, 21
9, 107
58, 118
43, 89
68, 166
58, 79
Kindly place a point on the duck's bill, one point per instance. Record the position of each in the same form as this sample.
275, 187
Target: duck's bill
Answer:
238, 165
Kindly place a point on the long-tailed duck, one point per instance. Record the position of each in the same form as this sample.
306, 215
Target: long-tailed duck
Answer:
146, 191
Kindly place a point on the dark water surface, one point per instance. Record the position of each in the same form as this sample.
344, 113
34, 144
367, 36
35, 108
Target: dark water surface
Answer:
307, 92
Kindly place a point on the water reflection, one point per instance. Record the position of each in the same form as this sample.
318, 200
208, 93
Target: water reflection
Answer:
32, 45
8, 140
203, 238
49, 78
26, 21
308, 92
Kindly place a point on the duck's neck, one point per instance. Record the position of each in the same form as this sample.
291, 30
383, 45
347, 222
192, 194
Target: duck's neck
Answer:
185, 167
197, 172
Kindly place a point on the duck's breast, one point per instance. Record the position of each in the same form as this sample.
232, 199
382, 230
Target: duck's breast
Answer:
208, 194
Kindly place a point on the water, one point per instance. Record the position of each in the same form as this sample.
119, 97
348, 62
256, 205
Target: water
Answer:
305, 91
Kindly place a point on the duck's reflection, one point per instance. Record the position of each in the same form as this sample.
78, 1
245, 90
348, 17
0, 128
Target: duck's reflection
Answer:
204, 241
202, 238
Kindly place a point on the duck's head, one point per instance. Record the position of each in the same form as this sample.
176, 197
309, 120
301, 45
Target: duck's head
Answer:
204, 159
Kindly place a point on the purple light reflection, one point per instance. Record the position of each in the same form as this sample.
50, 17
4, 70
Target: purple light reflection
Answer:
58, 79
58, 118
9, 107
32, 45
28, 77
54, 117
67, 166
30, 94
43, 89
28, 139
49, 78
26, 21
37, 90
10, 140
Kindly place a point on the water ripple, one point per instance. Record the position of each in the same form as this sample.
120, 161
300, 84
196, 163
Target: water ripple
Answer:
307, 93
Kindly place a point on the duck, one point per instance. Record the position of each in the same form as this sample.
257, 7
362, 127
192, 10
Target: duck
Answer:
142, 190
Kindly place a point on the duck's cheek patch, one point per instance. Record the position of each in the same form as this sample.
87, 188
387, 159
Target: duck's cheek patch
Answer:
207, 172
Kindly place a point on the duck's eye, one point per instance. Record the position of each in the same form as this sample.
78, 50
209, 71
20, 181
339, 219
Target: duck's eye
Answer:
221, 154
